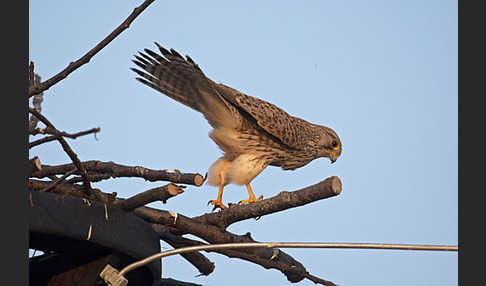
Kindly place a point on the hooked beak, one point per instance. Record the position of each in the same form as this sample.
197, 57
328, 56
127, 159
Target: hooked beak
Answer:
333, 157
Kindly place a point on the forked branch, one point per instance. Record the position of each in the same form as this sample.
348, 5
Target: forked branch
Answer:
68, 150
62, 134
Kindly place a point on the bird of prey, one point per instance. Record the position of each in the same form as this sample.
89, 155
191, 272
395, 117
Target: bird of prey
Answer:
251, 132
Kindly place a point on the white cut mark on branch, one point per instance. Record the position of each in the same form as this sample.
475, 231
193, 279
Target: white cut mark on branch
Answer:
174, 215
86, 201
89, 232
275, 253
106, 212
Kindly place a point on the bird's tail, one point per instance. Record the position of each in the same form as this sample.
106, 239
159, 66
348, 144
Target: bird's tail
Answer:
182, 80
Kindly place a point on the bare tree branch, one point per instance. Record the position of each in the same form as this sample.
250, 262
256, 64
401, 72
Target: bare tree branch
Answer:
318, 280
63, 134
266, 257
92, 177
173, 282
34, 165
197, 259
70, 190
68, 150
87, 57
330, 187
156, 194
58, 181
117, 170
34, 80
31, 74
35, 131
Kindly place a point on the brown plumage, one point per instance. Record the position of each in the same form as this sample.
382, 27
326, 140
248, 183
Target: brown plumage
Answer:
251, 132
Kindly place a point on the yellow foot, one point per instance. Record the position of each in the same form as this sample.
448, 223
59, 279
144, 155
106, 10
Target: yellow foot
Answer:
217, 204
251, 200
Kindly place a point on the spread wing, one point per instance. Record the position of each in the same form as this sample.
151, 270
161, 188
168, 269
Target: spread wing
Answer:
182, 80
291, 131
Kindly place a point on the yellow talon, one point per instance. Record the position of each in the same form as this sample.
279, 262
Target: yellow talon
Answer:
218, 203
252, 198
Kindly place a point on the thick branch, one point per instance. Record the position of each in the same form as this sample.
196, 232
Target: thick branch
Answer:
70, 190
116, 170
34, 165
198, 260
63, 134
87, 57
284, 200
266, 257
92, 177
156, 194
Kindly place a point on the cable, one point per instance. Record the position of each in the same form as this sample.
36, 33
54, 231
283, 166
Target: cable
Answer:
149, 259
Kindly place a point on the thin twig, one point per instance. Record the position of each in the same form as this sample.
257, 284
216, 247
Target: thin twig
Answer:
38, 130
31, 74
63, 134
68, 150
173, 282
58, 181
87, 57
38, 98
197, 259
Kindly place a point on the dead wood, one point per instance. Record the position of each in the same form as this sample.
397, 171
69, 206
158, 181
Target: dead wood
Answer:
70, 190
177, 224
58, 181
68, 150
284, 200
116, 170
33, 90
266, 257
34, 165
58, 134
34, 80
197, 259
156, 194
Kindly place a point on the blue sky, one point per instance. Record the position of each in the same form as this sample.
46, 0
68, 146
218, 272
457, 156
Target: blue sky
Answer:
382, 74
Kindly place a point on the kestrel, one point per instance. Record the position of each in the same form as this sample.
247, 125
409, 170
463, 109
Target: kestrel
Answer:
251, 132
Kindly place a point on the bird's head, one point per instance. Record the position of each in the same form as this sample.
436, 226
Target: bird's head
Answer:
328, 143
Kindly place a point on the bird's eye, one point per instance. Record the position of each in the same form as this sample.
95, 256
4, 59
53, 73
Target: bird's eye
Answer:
334, 144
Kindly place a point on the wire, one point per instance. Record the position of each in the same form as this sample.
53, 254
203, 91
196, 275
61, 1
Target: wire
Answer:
149, 259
